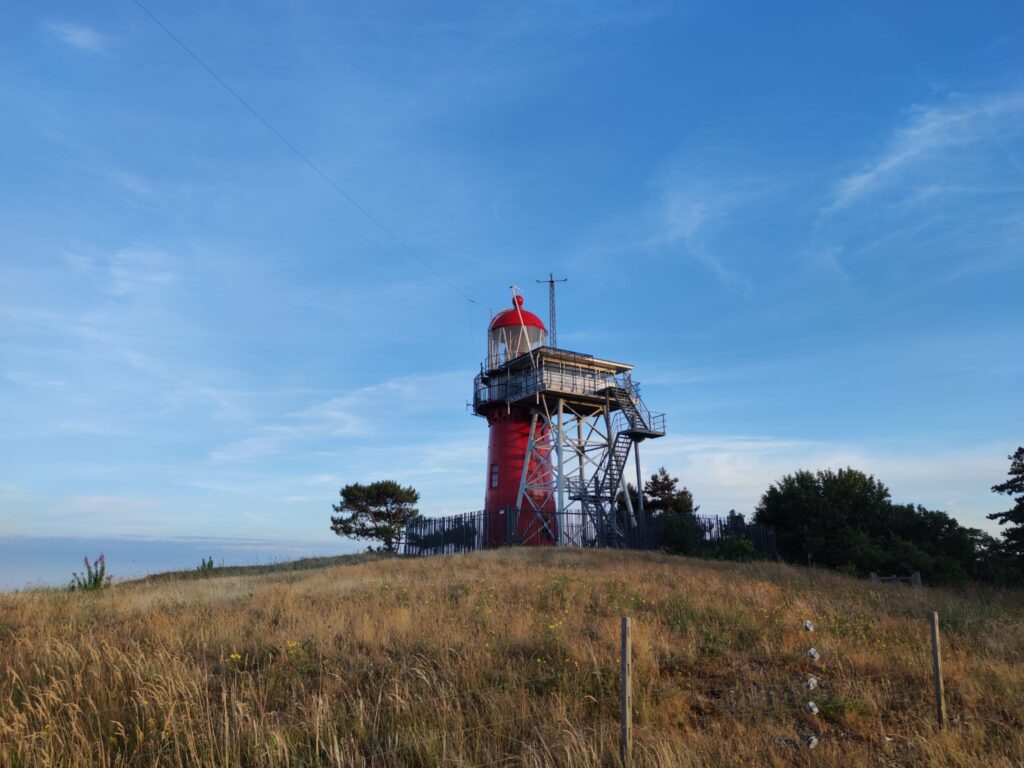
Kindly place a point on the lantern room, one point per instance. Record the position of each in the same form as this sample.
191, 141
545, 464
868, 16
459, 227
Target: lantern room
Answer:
514, 332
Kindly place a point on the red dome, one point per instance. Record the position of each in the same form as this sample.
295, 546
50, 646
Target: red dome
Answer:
516, 316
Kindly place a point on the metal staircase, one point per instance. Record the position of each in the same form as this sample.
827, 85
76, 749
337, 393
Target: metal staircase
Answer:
598, 495
641, 422
616, 465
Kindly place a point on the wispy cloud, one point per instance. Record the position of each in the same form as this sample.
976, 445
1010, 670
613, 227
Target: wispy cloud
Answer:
657, 375
366, 412
113, 504
89, 427
930, 132
685, 218
687, 215
131, 182
133, 269
828, 260
247, 448
79, 36
127, 271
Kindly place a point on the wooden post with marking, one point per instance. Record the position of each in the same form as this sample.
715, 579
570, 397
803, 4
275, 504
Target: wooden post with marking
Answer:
940, 693
626, 693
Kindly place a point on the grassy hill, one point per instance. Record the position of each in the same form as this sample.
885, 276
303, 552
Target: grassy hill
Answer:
506, 658
286, 566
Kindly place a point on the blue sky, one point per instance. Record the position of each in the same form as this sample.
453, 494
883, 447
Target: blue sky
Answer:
803, 222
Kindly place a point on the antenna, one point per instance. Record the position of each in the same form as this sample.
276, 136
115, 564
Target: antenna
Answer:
552, 338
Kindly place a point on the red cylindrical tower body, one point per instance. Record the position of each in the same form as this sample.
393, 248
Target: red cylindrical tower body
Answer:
514, 332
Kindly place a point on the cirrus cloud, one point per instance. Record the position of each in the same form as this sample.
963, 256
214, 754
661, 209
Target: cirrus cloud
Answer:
79, 36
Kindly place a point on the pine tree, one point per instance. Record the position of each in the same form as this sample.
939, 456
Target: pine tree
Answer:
378, 511
663, 495
1013, 537
672, 508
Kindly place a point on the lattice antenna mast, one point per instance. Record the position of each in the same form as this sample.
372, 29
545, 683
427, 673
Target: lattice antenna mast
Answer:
552, 337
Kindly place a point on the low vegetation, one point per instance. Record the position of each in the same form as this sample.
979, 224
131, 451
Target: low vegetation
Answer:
507, 658
94, 577
287, 566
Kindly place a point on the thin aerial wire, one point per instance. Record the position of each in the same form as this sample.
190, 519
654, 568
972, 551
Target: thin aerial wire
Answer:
301, 155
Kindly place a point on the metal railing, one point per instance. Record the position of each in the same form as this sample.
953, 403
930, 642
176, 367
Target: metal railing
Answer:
492, 362
509, 385
655, 421
577, 489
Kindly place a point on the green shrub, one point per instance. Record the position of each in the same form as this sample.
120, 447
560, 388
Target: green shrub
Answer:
738, 548
95, 576
683, 534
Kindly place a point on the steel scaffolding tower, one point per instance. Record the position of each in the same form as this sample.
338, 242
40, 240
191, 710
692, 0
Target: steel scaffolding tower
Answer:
586, 419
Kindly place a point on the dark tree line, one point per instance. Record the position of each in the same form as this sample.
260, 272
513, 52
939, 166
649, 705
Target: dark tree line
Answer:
847, 520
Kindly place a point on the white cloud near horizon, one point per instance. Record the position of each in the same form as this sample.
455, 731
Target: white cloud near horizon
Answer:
80, 36
723, 471
732, 472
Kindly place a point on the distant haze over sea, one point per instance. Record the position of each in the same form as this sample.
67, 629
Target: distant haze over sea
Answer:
50, 561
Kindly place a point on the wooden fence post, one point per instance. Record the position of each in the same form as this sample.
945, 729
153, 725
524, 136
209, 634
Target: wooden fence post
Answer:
626, 693
940, 693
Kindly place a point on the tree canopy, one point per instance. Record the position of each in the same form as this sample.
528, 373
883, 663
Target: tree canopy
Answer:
662, 495
672, 511
377, 511
846, 519
1013, 537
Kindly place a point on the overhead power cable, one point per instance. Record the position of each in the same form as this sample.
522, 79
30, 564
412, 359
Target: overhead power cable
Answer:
301, 155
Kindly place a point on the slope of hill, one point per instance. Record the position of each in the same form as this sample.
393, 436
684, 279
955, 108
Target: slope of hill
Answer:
507, 658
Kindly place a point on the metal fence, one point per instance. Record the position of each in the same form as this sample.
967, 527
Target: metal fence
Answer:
699, 535
445, 535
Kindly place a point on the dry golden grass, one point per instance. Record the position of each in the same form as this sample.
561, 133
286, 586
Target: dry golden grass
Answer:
506, 658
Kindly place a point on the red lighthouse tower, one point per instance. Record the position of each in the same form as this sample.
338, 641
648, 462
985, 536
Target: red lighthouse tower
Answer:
563, 427
514, 472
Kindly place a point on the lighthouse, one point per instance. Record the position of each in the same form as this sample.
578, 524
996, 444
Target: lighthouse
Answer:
516, 454
563, 427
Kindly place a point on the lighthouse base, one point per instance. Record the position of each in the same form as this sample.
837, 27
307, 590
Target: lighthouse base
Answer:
517, 458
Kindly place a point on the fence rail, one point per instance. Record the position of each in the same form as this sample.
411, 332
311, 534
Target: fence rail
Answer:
707, 535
